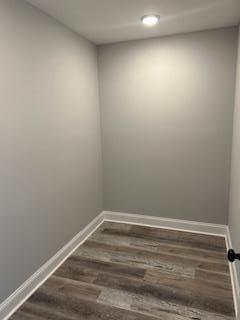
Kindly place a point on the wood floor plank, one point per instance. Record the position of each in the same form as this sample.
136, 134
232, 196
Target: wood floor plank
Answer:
107, 266
22, 315
184, 296
80, 308
201, 241
70, 287
143, 262
132, 302
156, 257
214, 278
130, 272
32, 311
201, 285
153, 306
180, 313
172, 284
155, 246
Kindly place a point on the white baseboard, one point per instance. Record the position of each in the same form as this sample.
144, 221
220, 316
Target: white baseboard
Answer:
14, 301
158, 222
18, 297
234, 276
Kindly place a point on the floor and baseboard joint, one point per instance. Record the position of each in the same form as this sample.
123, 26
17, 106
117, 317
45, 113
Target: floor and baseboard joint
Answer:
14, 301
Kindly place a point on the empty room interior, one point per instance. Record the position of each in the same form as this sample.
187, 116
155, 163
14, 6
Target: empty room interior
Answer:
120, 159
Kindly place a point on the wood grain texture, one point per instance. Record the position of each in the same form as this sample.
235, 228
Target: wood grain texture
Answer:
130, 272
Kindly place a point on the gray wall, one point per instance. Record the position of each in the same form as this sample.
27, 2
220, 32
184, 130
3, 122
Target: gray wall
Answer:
167, 111
50, 161
234, 213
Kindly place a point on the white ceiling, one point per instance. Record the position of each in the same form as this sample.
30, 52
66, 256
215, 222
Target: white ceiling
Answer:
107, 21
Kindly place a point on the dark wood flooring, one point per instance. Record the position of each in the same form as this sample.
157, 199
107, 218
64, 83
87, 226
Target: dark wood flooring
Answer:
129, 272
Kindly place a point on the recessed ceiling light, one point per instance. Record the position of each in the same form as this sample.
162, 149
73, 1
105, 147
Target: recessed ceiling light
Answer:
150, 20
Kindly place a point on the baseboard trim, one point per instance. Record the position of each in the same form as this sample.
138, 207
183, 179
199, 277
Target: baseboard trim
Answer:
159, 222
18, 297
234, 276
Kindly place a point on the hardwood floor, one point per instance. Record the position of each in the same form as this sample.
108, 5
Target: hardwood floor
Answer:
129, 272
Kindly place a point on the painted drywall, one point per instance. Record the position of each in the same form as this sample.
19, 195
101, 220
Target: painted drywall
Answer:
50, 157
167, 111
234, 212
